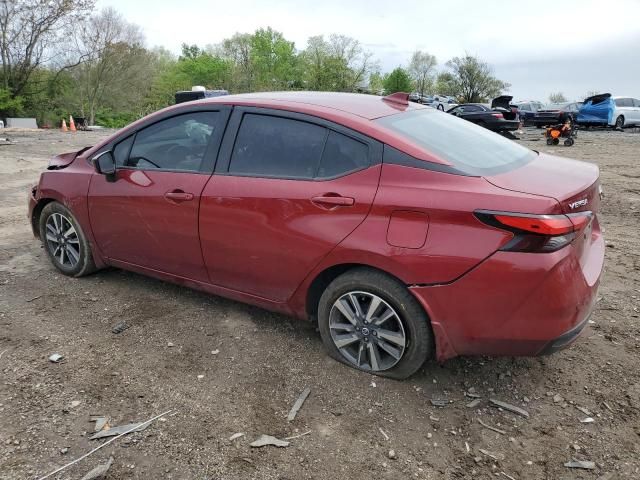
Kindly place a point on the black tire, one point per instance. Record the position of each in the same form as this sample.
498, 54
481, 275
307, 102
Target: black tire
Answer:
556, 141
84, 263
568, 142
419, 343
549, 141
620, 122
440, 107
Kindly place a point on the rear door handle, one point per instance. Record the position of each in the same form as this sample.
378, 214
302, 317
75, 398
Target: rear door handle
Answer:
178, 196
329, 201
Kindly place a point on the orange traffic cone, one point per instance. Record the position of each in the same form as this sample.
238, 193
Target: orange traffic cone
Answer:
72, 124
64, 126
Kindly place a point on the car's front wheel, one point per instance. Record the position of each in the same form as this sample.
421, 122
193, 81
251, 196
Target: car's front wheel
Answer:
620, 122
370, 321
64, 241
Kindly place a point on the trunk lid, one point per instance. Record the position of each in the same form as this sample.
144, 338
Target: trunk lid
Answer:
503, 105
574, 184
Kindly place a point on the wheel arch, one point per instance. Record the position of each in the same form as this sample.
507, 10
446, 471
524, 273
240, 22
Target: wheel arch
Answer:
37, 211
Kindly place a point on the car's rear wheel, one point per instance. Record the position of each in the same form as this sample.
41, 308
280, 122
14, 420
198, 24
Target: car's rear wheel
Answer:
369, 321
64, 241
620, 122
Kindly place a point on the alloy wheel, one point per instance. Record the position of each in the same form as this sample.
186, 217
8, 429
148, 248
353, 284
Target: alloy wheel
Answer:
367, 331
62, 240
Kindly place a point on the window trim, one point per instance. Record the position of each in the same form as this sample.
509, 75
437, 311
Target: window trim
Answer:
233, 127
213, 146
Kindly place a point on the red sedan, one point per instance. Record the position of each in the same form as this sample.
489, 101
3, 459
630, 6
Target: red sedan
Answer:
406, 233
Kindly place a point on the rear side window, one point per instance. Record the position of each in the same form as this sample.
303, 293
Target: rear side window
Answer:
177, 143
341, 155
277, 147
624, 102
471, 149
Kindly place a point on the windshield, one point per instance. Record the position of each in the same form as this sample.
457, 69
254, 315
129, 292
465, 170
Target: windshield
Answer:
472, 149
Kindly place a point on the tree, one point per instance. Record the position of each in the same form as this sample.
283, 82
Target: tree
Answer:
446, 84
397, 81
337, 64
474, 80
238, 50
557, 97
376, 82
114, 69
273, 59
31, 34
421, 69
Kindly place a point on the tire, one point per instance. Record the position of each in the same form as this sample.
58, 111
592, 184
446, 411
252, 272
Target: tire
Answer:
412, 340
64, 241
568, 142
441, 107
620, 122
556, 141
549, 141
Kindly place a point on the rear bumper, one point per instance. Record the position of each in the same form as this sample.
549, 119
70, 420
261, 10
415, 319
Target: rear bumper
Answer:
504, 126
516, 304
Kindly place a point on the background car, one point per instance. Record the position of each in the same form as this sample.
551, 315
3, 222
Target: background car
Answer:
442, 102
604, 110
312, 204
495, 119
527, 110
556, 113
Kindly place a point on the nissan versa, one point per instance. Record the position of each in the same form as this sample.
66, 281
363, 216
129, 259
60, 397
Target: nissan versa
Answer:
406, 233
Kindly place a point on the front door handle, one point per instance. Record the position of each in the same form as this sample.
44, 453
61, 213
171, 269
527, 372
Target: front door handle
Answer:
178, 196
332, 201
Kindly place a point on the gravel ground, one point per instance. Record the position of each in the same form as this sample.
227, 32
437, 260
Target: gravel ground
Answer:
224, 368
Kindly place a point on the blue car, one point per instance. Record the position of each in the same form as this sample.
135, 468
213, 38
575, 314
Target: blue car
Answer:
605, 110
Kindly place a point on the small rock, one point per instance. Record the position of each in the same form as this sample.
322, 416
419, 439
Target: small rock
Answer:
200, 377
584, 464
170, 344
473, 403
64, 451
55, 358
120, 327
75, 403
429, 435
215, 352
269, 440
557, 398
235, 436
392, 454
587, 420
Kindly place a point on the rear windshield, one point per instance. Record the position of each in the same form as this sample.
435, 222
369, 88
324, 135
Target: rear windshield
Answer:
471, 149
556, 106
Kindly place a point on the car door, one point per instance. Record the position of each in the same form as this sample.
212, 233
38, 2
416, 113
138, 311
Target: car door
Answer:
636, 111
287, 189
147, 216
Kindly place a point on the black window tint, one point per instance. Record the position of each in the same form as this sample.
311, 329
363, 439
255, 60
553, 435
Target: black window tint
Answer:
121, 151
342, 154
177, 143
277, 147
472, 108
621, 102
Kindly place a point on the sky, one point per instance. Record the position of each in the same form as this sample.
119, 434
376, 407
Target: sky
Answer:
539, 47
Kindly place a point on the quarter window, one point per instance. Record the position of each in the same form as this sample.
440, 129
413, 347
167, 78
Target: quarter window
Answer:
121, 151
177, 143
277, 147
342, 154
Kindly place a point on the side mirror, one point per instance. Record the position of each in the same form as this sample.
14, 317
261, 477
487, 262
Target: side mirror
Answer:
105, 164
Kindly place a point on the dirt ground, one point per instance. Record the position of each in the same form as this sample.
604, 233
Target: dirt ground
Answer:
224, 368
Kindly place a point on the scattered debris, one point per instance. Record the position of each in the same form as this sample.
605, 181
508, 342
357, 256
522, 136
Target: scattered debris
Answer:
235, 436
101, 446
585, 411
120, 327
101, 423
299, 435
75, 403
584, 464
373, 384
200, 377
587, 420
3, 352
508, 476
509, 407
386, 437
34, 298
607, 406
298, 405
99, 472
472, 394
64, 451
497, 430
269, 440
438, 402
473, 403
170, 344
557, 398
215, 352
113, 431
392, 454
55, 358
495, 456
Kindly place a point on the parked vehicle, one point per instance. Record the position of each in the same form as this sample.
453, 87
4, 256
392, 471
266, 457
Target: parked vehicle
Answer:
494, 119
404, 232
442, 102
418, 98
604, 110
198, 93
556, 113
527, 110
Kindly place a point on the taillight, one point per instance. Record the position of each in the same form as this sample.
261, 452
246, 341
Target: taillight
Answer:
497, 115
536, 233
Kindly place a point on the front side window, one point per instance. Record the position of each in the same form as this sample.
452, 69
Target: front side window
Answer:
177, 143
471, 149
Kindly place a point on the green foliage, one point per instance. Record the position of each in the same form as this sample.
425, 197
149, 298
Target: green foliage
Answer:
397, 81
446, 84
110, 119
473, 80
9, 105
273, 59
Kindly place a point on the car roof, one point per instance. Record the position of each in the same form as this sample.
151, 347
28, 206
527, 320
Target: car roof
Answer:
361, 105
